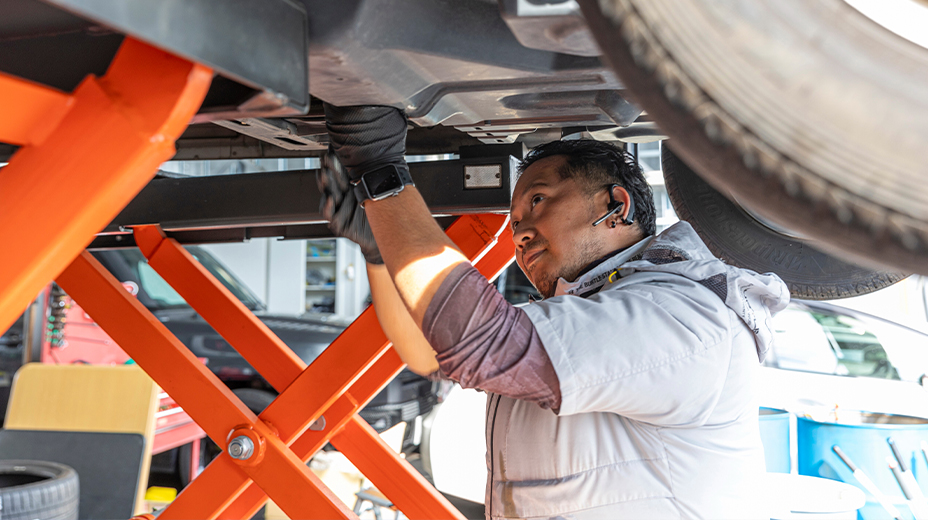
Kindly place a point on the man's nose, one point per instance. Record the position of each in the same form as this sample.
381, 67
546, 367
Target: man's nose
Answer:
523, 234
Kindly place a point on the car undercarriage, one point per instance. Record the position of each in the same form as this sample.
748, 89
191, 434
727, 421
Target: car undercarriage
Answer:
480, 81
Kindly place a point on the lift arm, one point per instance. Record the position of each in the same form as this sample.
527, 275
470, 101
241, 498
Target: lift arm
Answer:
346, 376
84, 156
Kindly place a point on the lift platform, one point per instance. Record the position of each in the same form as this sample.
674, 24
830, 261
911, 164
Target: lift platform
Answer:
87, 154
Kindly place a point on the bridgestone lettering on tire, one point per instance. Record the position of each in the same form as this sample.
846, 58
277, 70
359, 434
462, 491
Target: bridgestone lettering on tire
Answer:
38, 490
809, 113
739, 239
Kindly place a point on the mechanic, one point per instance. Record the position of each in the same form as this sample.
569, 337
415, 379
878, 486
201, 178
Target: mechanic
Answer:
628, 392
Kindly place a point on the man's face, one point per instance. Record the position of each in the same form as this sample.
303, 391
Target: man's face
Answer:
552, 223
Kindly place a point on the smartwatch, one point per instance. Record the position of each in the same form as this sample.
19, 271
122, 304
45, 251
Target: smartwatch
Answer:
382, 182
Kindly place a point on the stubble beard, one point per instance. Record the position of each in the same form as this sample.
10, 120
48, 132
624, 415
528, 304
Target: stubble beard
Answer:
546, 283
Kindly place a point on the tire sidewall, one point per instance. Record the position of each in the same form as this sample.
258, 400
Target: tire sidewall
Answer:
724, 168
739, 239
56, 497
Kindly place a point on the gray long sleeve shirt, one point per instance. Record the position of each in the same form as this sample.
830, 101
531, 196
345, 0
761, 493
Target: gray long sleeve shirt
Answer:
485, 342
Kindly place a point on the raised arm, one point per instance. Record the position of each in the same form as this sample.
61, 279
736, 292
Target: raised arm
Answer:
419, 254
398, 325
473, 335
347, 219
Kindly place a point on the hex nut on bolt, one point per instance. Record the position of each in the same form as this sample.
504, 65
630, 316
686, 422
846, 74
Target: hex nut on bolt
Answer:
241, 448
246, 446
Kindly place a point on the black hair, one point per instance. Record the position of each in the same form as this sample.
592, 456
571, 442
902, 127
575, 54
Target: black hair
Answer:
595, 165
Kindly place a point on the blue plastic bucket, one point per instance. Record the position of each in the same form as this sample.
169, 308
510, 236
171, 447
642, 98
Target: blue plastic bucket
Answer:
774, 434
865, 444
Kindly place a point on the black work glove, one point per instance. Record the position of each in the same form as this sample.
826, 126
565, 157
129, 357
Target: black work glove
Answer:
361, 139
366, 137
340, 207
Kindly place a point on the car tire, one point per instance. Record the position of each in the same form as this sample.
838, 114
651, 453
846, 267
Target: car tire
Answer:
38, 490
208, 451
256, 400
740, 239
810, 113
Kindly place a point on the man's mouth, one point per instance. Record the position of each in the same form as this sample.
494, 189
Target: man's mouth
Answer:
530, 257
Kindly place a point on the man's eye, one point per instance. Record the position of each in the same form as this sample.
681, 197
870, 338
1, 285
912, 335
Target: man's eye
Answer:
536, 199
514, 224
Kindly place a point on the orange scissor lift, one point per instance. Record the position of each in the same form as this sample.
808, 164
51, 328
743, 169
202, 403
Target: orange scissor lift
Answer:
88, 153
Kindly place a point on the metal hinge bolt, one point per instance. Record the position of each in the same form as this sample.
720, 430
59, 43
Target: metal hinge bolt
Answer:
241, 448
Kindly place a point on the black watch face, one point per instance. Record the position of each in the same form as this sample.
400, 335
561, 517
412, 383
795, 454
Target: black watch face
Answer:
383, 181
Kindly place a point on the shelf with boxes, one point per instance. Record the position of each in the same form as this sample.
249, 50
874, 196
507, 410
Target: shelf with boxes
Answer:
321, 275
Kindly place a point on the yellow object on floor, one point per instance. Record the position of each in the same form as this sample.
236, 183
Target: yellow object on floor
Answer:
157, 498
161, 494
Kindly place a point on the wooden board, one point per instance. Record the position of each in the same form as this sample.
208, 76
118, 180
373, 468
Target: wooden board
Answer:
82, 398
86, 398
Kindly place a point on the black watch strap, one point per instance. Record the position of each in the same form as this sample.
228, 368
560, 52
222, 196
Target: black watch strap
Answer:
382, 182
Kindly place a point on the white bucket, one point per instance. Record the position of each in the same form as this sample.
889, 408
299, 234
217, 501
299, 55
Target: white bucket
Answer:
798, 497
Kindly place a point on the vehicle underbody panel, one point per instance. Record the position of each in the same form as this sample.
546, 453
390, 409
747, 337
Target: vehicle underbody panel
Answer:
491, 72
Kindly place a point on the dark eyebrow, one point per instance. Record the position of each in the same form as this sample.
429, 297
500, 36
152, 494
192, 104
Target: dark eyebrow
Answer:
534, 185
528, 190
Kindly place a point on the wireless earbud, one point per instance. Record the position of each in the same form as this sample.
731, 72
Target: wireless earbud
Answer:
613, 207
616, 206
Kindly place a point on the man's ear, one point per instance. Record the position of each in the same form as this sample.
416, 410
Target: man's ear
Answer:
621, 196
612, 205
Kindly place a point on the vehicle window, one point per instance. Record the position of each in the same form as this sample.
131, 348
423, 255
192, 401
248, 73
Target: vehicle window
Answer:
233, 284
816, 340
907, 348
800, 343
858, 349
156, 288
163, 295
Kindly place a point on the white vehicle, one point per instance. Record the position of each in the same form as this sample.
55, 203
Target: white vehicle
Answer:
828, 358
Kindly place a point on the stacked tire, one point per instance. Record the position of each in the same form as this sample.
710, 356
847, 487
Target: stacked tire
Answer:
38, 490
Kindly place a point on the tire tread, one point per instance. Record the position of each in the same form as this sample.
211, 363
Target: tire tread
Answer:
56, 498
709, 212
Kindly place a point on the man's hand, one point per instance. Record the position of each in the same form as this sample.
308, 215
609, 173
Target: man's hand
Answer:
362, 138
417, 253
366, 137
340, 207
